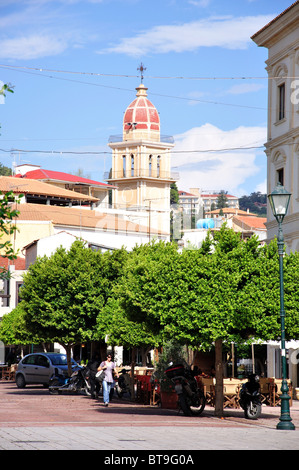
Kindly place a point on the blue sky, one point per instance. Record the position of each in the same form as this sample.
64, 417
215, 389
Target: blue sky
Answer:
73, 65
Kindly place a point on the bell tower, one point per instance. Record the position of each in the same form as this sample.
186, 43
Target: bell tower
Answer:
141, 168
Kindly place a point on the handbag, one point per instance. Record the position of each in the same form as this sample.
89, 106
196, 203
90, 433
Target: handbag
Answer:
100, 375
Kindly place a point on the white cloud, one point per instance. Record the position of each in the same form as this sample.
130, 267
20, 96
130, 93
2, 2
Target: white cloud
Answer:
225, 32
217, 169
200, 3
31, 47
245, 88
38, 30
262, 187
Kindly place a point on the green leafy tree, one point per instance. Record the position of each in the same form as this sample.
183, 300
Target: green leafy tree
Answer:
121, 331
171, 352
7, 87
256, 203
7, 228
225, 292
13, 328
174, 194
62, 296
222, 200
7, 214
114, 324
5, 170
291, 292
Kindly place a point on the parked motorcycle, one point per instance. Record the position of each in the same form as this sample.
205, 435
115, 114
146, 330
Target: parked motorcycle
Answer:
76, 383
250, 397
191, 398
123, 384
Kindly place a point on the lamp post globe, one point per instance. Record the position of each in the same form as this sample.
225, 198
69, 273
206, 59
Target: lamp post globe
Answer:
279, 201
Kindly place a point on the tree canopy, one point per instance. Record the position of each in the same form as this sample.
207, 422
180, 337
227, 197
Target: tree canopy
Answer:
229, 290
63, 294
256, 203
7, 228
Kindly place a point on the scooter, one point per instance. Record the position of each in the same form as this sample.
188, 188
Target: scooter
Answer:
76, 383
191, 398
250, 397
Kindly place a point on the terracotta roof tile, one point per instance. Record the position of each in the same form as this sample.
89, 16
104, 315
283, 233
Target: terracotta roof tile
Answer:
28, 186
231, 210
275, 19
76, 217
42, 174
19, 263
251, 223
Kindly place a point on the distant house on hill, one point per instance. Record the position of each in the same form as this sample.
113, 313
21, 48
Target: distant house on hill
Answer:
245, 222
194, 200
242, 221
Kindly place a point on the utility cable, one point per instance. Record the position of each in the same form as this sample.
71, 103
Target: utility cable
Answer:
97, 74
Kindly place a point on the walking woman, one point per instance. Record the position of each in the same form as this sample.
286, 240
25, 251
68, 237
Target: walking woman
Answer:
108, 366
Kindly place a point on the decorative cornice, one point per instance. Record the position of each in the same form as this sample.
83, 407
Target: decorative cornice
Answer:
283, 24
137, 143
286, 138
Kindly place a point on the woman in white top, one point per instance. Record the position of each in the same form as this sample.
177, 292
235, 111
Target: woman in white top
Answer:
108, 366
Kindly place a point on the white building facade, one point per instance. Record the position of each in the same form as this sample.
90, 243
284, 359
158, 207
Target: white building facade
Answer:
281, 38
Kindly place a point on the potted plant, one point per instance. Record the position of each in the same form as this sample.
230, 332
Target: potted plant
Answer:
171, 353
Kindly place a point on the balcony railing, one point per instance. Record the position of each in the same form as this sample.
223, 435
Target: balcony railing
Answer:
142, 173
165, 139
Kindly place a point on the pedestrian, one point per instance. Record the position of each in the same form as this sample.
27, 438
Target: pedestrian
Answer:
108, 366
92, 368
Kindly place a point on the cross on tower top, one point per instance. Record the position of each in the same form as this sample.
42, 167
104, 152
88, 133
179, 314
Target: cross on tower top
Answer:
141, 69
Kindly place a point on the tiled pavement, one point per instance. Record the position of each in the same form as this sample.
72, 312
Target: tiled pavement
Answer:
31, 419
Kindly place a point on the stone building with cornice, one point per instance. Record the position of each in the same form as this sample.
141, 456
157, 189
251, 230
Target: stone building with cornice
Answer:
281, 38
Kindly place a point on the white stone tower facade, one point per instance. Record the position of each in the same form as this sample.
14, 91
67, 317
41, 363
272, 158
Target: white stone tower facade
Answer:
141, 167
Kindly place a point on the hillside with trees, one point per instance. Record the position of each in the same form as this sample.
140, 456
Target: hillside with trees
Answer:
255, 203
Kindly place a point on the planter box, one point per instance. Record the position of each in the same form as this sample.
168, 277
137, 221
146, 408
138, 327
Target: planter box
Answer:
169, 400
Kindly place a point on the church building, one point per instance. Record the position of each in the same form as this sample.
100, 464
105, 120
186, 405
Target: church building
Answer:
141, 167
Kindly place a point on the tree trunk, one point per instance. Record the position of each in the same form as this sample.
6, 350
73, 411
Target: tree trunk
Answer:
144, 352
132, 374
219, 378
68, 348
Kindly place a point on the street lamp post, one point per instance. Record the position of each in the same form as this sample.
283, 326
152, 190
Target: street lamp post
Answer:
279, 201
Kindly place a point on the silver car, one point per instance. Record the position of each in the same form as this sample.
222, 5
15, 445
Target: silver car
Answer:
38, 368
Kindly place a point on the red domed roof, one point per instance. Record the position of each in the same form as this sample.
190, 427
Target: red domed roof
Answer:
141, 113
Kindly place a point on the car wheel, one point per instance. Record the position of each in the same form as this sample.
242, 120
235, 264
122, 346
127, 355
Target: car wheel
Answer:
20, 381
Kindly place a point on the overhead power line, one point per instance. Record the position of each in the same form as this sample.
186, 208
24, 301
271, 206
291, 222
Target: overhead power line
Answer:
168, 77
130, 90
62, 152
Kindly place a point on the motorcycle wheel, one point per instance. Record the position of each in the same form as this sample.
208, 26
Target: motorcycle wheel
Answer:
199, 405
53, 387
87, 390
253, 411
184, 405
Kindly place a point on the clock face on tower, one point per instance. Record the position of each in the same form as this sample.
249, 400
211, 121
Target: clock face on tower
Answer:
127, 195
156, 195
